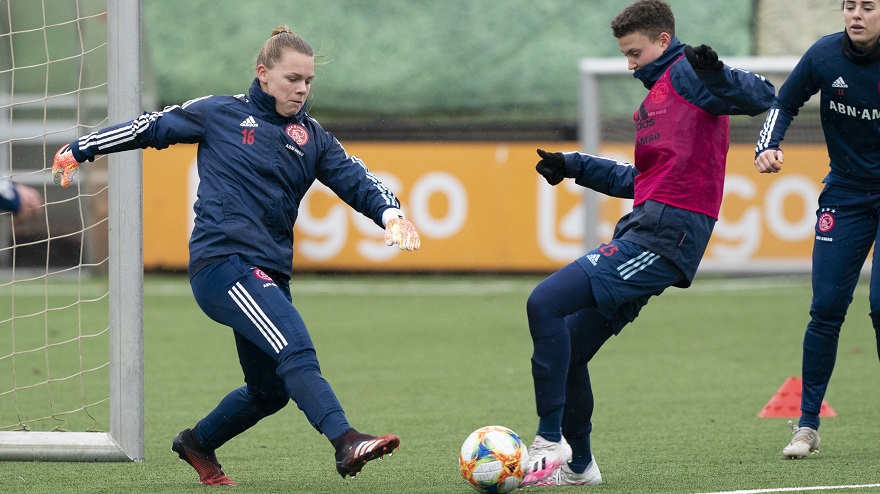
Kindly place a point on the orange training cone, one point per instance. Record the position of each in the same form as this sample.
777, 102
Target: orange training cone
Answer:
786, 402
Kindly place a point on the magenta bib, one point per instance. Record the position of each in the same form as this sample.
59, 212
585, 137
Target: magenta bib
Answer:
680, 151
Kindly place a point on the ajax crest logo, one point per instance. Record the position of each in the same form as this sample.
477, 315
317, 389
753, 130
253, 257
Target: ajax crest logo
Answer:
826, 222
659, 93
261, 275
298, 133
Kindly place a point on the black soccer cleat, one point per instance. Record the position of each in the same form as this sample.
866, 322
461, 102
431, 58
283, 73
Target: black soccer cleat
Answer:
204, 462
357, 449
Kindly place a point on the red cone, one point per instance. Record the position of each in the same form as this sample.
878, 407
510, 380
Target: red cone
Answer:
786, 402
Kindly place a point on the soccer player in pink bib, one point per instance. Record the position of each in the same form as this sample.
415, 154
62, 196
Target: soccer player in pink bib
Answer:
682, 137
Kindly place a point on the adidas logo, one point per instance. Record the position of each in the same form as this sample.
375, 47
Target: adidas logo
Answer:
593, 258
249, 122
839, 83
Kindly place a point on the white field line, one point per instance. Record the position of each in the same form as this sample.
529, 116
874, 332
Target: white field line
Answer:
797, 489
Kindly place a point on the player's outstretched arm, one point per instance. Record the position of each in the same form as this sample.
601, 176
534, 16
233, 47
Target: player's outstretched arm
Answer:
604, 175
173, 125
770, 161
400, 231
731, 91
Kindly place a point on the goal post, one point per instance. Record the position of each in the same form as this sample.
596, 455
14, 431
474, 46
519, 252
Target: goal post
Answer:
125, 439
591, 112
126, 235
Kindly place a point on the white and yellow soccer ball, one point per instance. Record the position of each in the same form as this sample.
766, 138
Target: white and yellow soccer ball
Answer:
493, 459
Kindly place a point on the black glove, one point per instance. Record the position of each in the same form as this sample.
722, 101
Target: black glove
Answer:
551, 166
703, 58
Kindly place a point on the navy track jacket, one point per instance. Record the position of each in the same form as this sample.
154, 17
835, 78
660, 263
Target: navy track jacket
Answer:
254, 168
849, 108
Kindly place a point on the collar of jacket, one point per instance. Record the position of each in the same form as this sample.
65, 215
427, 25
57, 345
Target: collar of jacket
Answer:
858, 57
649, 74
266, 104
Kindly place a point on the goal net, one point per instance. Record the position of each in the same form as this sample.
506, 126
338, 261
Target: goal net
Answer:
71, 346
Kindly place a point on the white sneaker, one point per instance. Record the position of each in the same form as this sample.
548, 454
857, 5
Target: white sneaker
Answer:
565, 476
804, 442
544, 458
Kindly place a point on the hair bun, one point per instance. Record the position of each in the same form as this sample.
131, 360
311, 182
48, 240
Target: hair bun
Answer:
281, 29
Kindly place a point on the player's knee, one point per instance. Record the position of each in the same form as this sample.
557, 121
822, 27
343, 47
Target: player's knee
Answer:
829, 311
278, 400
272, 398
541, 304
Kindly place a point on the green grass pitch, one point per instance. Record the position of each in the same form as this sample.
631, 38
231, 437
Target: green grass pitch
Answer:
431, 358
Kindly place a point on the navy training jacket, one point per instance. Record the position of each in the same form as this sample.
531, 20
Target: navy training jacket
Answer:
254, 168
849, 83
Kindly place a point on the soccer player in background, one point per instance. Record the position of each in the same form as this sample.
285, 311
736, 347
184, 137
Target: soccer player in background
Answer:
258, 154
845, 69
24, 201
682, 137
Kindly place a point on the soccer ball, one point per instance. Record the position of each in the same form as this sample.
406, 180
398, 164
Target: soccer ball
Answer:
493, 459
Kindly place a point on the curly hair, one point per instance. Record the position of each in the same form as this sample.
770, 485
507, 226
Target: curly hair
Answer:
649, 17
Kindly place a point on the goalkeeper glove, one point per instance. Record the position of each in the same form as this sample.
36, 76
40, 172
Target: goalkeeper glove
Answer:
399, 230
703, 58
551, 166
64, 166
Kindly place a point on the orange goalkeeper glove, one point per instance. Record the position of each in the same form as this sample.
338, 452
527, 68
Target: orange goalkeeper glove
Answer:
64, 166
399, 230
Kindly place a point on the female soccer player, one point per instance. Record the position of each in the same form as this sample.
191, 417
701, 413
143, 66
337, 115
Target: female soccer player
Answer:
845, 68
682, 136
258, 155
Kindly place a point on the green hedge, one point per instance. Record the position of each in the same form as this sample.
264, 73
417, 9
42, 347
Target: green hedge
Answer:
505, 60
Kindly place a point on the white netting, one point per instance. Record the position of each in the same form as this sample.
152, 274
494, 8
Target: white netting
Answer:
54, 363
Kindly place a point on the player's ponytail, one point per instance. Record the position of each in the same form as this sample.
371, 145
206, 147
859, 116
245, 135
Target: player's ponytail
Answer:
282, 39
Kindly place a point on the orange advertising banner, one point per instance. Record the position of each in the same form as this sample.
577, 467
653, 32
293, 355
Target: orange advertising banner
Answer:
481, 206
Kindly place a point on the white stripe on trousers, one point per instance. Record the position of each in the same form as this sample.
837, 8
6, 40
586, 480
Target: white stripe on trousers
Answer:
637, 264
265, 325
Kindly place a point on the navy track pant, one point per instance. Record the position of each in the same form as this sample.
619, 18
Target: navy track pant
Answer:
575, 310
847, 226
274, 349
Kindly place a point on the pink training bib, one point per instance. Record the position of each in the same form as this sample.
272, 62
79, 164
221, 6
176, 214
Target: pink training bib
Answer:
680, 151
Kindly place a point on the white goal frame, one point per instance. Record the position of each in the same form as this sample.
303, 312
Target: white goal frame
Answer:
125, 440
589, 129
